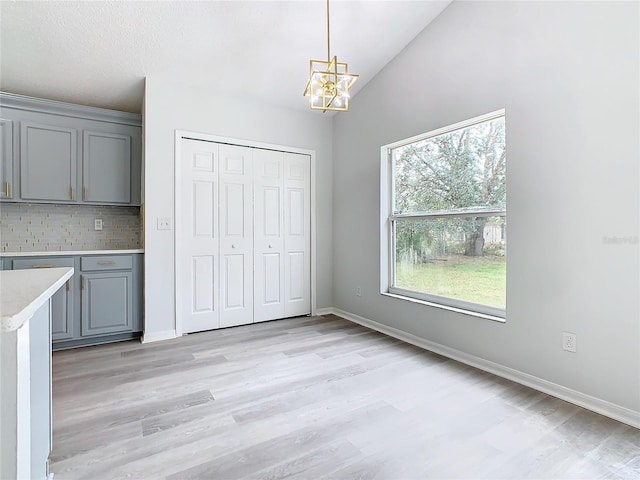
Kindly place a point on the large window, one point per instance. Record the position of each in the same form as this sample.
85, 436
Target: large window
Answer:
446, 216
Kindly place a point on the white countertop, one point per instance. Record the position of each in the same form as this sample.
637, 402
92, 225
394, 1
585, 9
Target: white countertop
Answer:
58, 253
23, 292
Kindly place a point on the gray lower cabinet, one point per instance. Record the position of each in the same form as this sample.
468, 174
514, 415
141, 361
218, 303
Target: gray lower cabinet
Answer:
102, 302
62, 301
107, 302
107, 294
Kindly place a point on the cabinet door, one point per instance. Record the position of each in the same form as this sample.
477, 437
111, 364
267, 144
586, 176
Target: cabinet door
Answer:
6, 158
62, 313
61, 301
48, 162
106, 168
107, 303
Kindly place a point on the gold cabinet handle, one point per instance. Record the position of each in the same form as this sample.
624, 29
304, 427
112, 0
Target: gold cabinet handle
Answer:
84, 283
84, 193
72, 196
68, 285
43, 266
106, 262
7, 189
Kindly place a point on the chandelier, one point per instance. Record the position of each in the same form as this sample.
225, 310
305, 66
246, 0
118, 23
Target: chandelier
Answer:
329, 82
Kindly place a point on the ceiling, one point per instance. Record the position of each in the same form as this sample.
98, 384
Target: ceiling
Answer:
98, 53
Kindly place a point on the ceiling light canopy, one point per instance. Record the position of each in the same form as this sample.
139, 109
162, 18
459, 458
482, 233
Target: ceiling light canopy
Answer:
329, 82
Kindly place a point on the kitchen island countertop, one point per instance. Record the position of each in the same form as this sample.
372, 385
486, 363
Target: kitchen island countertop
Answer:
23, 292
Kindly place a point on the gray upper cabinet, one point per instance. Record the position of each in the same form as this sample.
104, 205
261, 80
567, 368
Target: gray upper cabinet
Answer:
48, 162
106, 168
62, 153
6, 158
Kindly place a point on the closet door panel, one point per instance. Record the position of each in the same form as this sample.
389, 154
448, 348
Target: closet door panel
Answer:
268, 235
297, 239
236, 235
199, 260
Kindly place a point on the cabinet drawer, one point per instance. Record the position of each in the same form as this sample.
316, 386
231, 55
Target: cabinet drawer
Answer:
44, 262
107, 262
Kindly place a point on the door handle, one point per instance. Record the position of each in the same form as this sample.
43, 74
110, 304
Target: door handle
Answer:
270, 246
233, 246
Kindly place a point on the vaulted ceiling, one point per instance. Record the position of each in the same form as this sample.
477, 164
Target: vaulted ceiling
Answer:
98, 52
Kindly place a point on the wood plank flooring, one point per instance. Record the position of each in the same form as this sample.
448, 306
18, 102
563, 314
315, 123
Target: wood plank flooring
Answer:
314, 398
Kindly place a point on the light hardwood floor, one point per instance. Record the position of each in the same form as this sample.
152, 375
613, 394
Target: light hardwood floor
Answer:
314, 398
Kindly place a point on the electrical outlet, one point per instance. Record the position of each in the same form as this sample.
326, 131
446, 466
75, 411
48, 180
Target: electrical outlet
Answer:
358, 292
569, 342
97, 224
164, 223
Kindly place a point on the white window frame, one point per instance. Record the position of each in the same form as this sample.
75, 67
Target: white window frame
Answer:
388, 219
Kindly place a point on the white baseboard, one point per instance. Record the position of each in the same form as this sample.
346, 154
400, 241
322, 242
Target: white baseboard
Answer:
150, 337
603, 407
325, 311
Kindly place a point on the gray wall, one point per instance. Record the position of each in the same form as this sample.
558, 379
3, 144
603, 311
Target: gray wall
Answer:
170, 106
567, 74
26, 227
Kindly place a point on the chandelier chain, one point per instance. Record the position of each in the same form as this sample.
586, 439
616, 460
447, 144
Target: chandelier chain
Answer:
328, 35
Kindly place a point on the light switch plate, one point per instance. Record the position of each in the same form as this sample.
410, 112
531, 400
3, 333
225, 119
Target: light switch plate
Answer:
164, 223
97, 224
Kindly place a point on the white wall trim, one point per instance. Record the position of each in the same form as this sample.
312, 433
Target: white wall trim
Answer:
179, 135
324, 311
603, 407
158, 336
177, 227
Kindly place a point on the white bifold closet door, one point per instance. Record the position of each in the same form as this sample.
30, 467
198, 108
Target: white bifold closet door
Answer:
236, 235
282, 235
246, 254
268, 196
198, 270
297, 234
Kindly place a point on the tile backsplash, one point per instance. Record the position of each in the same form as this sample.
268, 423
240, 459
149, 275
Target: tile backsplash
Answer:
28, 227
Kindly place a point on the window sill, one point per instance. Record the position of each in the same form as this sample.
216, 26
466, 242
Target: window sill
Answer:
446, 307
